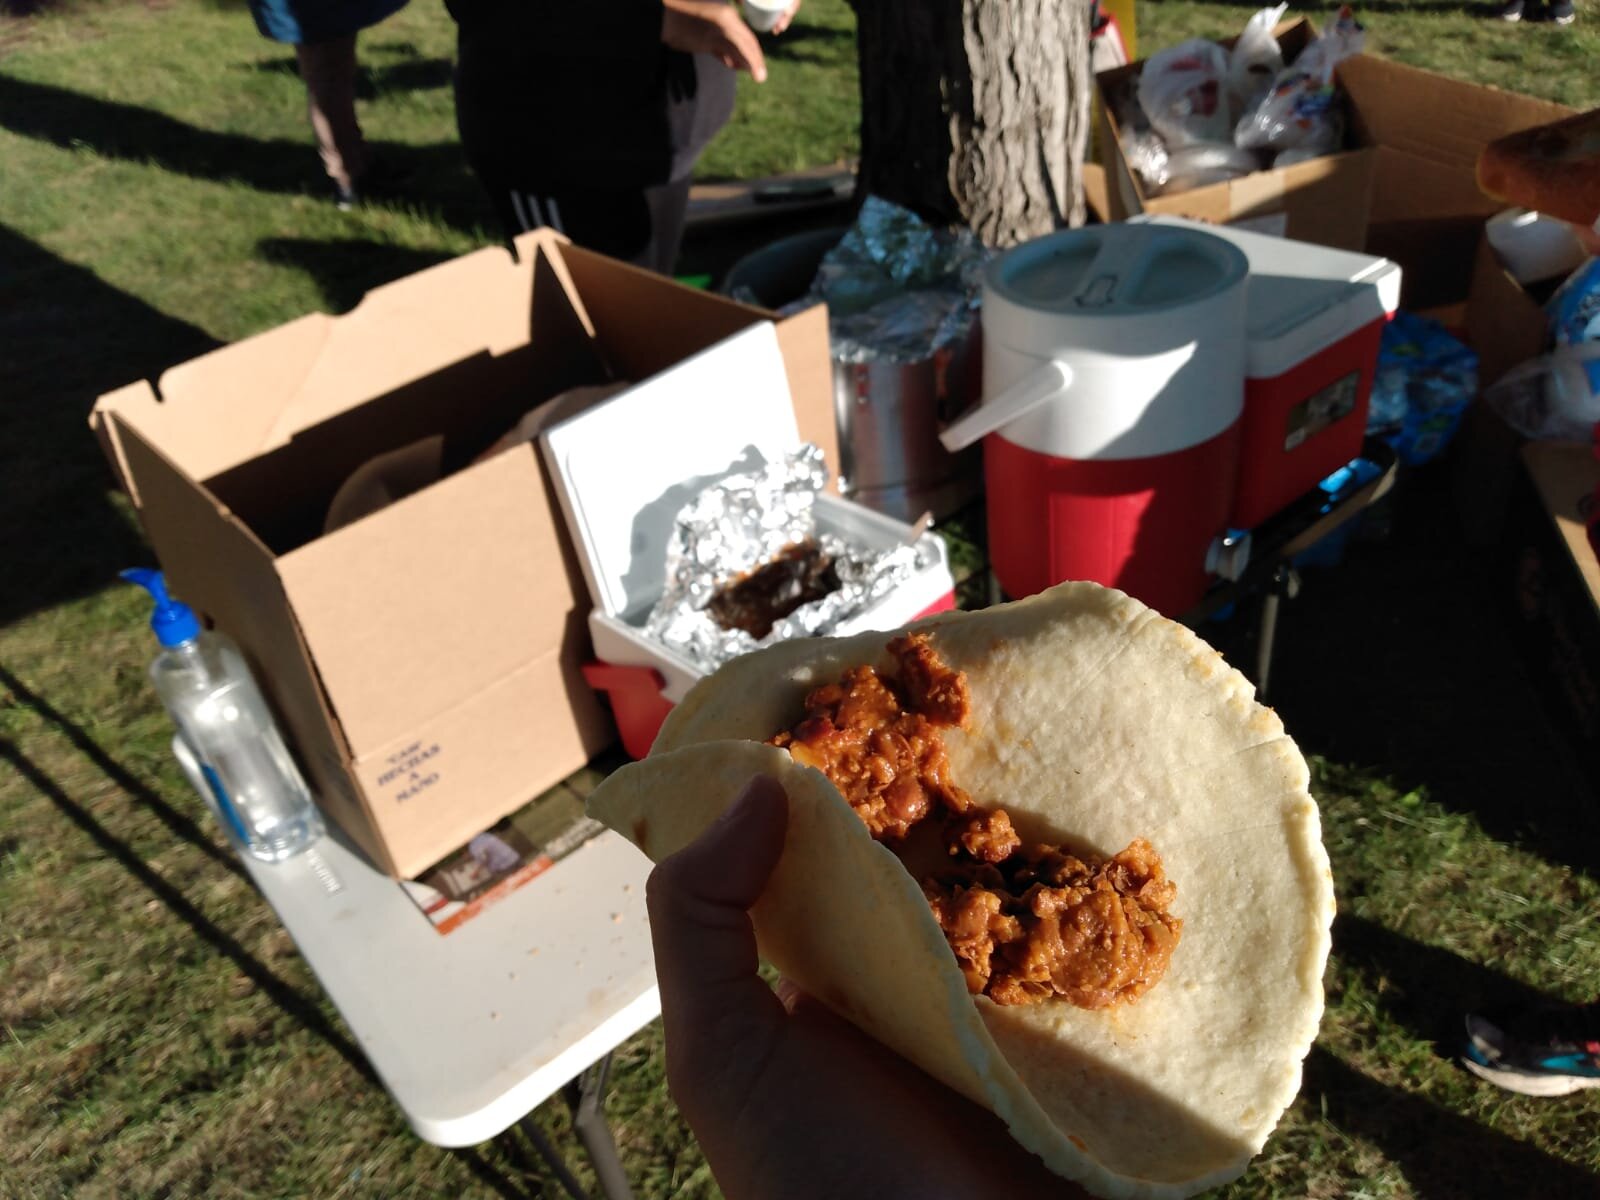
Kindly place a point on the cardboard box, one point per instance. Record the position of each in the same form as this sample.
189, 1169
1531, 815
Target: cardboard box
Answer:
1406, 191
1426, 211
1506, 325
1552, 568
1322, 201
426, 660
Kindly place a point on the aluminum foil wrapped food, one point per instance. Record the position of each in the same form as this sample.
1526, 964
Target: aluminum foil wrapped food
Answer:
737, 526
897, 288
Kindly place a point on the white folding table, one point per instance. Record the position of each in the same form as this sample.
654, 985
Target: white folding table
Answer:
471, 1030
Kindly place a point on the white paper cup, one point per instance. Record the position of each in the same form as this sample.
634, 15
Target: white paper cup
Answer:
762, 15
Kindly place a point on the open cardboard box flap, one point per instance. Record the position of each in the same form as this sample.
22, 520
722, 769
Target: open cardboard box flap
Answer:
1429, 130
286, 380
426, 659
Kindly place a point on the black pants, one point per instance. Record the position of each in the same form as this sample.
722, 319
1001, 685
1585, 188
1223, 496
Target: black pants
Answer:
643, 226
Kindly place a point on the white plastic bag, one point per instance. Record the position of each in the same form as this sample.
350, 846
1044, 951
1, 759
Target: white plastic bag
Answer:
1181, 90
1550, 396
1300, 111
1255, 60
1146, 154
1344, 38
1205, 163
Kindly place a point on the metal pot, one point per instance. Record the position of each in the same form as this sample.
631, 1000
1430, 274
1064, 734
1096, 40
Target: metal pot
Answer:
889, 415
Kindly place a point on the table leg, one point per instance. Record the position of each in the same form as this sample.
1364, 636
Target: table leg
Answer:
1285, 584
552, 1158
584, 1096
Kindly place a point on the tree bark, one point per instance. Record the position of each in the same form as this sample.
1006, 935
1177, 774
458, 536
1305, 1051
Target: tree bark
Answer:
976, 112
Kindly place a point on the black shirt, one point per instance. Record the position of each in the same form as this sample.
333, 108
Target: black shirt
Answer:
553, 95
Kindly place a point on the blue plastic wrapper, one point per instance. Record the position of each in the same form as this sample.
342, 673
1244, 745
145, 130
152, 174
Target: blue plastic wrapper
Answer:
1338, 488
1425, 379
1575, 313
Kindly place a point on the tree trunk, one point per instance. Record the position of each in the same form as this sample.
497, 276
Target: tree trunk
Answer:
976, 112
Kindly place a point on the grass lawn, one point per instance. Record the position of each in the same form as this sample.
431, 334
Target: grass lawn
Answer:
159, 1036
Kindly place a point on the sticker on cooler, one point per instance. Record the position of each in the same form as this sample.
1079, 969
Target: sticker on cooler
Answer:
1315, 413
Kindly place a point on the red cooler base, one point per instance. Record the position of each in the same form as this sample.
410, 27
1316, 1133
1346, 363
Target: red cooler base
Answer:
1139, 524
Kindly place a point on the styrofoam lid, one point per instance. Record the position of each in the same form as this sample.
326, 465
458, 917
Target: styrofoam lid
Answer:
624, 468
1301, 297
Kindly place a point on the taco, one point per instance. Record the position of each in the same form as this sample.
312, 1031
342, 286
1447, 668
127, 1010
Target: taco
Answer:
1138, 777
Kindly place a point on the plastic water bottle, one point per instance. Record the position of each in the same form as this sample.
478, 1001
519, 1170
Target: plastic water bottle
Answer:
223, 721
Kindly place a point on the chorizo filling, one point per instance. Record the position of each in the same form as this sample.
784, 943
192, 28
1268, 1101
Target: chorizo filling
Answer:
1026, 922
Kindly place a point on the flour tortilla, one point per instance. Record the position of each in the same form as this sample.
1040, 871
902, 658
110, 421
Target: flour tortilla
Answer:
1094, 720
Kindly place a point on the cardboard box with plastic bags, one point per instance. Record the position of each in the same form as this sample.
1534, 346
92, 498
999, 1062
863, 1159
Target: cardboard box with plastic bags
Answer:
1323, 200
424, 658
1406, 189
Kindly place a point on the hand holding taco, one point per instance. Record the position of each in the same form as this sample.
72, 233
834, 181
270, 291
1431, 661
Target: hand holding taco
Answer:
1053, 853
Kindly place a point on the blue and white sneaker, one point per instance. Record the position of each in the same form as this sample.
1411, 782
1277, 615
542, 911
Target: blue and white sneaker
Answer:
1547, 1050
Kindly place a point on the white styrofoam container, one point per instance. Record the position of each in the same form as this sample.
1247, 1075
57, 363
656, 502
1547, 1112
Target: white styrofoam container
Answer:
625, 467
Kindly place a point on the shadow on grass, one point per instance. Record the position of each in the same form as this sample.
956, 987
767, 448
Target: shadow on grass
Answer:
810, 44
66, 337
347, 269
373, 80
74, 121
288, 998
478, 1163
1443, 1155
1427, 990
176, 822
1402, 658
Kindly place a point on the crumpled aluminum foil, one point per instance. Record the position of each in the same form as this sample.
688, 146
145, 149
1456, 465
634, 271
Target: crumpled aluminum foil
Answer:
745, 520
897, 289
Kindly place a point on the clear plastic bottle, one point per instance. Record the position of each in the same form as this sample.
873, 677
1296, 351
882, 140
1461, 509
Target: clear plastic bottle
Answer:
223, 719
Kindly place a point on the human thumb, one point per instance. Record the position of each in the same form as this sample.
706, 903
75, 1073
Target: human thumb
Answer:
717, 1013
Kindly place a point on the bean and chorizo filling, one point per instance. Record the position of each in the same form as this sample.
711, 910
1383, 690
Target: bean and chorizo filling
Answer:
1026, 921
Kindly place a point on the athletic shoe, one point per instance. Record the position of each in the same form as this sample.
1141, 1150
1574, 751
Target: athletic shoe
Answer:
345, 198
1562, 12
1511, 10
1547, 1050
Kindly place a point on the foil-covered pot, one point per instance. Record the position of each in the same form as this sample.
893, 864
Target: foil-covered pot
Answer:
897, 289
736, 525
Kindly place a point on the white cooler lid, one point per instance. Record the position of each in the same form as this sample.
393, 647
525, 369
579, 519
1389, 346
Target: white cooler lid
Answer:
624, 467
1302, 298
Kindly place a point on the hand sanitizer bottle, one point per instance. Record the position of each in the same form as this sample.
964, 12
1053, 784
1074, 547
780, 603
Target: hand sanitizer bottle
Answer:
255, 788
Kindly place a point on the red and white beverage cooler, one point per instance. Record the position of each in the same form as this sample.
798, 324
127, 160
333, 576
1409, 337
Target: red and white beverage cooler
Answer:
625, 467
1315, 318
1113, 383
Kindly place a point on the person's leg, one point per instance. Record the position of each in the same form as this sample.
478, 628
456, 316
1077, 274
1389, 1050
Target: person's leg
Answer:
669, 206
329, 72
616, 224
